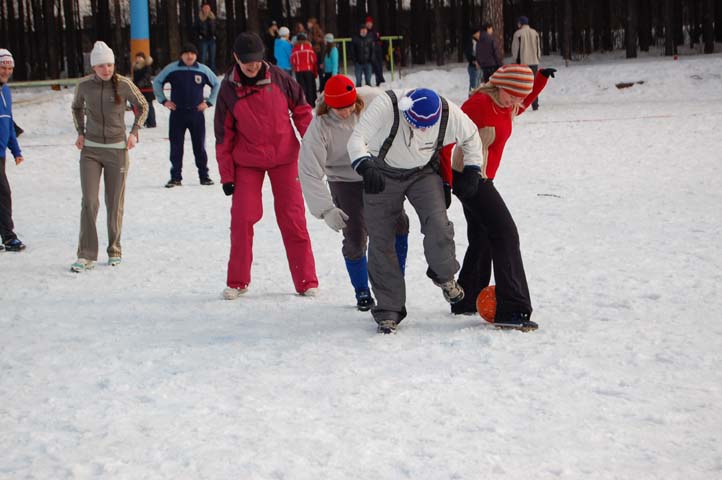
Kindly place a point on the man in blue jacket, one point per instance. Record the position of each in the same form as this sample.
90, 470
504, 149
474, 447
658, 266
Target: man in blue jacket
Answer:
10, 241
187, 103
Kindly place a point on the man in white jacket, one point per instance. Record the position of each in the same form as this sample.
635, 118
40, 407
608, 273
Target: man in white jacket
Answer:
394, 147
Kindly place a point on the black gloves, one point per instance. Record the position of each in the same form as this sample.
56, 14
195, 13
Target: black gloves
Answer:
373, 178
466, 183
228, 188
548, 72
447, 195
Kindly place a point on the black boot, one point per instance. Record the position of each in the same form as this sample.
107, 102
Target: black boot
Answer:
515, 321
364, 300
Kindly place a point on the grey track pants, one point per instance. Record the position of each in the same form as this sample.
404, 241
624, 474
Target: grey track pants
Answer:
424, 191
112, 165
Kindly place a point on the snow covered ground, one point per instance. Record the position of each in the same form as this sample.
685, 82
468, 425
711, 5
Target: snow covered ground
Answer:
142, 371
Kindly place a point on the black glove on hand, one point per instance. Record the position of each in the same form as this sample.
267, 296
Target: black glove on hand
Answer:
466, 183
373, 178
548, 72
447, 195
228, 188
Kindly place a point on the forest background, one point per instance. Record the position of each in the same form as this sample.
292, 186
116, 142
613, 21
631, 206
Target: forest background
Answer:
52, 38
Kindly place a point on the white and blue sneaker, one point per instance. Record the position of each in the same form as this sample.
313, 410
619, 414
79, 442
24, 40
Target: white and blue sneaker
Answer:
114, 261
82, 265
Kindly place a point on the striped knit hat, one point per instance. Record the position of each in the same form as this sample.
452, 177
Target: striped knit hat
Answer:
515, 79
6, 58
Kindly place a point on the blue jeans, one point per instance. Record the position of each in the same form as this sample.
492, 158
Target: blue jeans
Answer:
208, 53
473, 77
365, 69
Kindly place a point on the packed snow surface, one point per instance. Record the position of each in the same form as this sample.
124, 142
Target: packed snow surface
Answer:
143, 371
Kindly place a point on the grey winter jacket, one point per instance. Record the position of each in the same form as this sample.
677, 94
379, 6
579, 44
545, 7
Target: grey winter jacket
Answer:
525, 47
324, 154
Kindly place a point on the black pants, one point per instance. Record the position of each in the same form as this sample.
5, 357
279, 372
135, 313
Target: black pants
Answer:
6, 206
308, 85
535, 103
178, 123
493, 238
150, 119
487, 72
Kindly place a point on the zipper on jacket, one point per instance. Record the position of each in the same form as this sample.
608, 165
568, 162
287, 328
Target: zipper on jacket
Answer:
102, 113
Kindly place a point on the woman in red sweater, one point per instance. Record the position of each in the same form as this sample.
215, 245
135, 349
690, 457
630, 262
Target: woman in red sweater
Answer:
491, 230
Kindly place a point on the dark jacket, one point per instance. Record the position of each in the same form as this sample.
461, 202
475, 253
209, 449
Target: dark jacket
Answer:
206, 29
270, 42
142, 77
470, 51
362, 49
486, 52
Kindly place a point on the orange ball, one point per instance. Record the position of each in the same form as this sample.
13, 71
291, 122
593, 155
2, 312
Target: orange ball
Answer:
486, 303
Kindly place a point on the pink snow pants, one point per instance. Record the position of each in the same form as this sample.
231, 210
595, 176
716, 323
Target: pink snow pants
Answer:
247, 209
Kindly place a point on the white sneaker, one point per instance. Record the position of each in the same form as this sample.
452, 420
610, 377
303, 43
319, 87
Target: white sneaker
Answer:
310, 292
230, 293
114, 261
81, 265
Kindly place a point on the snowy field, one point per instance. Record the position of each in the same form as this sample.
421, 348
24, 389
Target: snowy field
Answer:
143, 372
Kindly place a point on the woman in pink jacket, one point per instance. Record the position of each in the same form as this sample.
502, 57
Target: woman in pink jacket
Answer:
255, 137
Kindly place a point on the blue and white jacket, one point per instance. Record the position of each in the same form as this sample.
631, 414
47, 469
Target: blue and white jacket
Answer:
186, 85
7, 129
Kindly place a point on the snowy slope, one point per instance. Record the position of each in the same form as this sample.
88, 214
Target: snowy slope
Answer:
142, 371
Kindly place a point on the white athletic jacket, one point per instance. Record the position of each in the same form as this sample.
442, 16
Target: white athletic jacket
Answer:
412, 148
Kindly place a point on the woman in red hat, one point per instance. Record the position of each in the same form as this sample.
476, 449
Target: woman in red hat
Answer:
491, 231
324, 155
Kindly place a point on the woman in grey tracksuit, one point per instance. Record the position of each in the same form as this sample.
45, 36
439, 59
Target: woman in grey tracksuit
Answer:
324, 154
99, 117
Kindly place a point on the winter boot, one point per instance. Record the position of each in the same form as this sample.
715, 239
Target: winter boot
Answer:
14, 245
358, 272
453, 293
402, 250
173, 183
515, 321
364, 300
386, 326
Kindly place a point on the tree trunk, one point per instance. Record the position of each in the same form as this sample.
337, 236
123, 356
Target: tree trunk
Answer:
669, 46
567, 22
253, 22
439, 40
631, 28
331, 22
493, 12
418, 37
342, 22
174, 36
72, 53
275, 9
645, 25
707, 25
118, 47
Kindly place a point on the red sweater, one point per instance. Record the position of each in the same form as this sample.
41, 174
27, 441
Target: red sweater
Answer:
303, 58
485, 114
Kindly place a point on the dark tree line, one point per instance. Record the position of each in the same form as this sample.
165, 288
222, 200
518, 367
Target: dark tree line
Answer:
52, 38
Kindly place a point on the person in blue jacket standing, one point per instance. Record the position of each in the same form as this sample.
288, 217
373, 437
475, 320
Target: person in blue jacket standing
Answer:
282, 50
187, 103
10, 241
330, 60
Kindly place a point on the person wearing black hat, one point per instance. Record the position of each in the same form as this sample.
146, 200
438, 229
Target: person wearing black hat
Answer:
187, 78
269, 39
255, 138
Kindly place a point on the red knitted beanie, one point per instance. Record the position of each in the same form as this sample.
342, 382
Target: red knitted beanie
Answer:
339, 92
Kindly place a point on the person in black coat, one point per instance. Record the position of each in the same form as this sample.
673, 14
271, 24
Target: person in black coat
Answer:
142, 80
362, 51
470, 54
487, 54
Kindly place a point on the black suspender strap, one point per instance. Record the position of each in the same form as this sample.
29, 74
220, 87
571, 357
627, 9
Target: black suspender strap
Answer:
443, 122
394, 128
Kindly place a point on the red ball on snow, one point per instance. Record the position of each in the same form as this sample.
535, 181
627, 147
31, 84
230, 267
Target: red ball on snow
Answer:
486, 303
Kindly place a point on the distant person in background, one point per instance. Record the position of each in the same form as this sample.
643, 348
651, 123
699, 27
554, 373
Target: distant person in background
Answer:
491, 231
255, 137
315, 35
526, 49
142, 80
282, 49
8, 139
206, 32
330, 61
470, 53
298, 28
99, 118
362, 51
377, 57
187, 103
269, 40
487, 53
305, 67
324, 165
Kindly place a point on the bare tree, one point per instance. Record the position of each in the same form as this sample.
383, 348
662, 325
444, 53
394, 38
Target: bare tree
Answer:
174, 36
253, 22
707, 25
631, 28
670, 48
